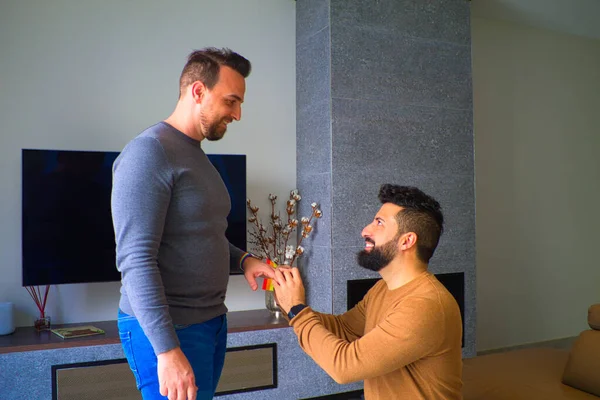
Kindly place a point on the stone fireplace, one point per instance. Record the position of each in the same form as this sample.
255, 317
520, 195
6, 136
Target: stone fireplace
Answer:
383, 94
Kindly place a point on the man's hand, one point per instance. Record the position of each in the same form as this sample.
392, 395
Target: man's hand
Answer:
175, 376
253, 268
289, 289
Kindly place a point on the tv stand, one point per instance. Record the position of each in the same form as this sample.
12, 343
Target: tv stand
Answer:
27, 339
27, 358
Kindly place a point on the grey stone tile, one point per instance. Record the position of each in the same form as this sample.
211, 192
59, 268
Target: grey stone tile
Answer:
345, 268
409, 140
397, 69
470, 323
313, 138
316, 269
382, 16
453, 256
311, 17
428, 148
316, 188
444, 20
313, 70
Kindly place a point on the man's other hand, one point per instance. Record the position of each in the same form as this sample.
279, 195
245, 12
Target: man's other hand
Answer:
253, 268
175, 376
289, 289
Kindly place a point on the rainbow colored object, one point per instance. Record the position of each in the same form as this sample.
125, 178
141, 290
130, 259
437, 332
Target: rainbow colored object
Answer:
268, 282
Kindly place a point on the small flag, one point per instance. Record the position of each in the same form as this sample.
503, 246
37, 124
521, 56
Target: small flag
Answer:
268, 282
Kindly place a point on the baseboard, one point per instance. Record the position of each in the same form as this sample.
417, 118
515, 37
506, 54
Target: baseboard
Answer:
562, 343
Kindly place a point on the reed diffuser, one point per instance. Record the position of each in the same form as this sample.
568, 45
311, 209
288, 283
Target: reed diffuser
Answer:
43, 322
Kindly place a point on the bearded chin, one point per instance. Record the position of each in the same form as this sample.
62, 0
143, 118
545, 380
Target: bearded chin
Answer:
215, 132
378, 258
212, 131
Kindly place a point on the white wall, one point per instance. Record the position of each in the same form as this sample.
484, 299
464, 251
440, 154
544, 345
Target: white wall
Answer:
537, 147
92, 75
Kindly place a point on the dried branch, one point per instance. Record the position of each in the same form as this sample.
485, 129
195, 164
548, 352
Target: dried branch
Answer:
273, 242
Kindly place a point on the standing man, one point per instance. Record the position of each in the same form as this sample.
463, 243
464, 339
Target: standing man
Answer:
404, 338
169, 209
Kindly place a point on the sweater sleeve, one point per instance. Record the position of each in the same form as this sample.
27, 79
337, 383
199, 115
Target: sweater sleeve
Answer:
235, 256
348, 326
142, 182
409, 331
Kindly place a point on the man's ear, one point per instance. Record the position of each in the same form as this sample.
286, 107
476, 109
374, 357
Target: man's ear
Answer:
407, 240
198, 90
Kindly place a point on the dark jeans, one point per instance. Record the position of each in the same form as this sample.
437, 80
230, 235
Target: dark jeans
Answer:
203, 344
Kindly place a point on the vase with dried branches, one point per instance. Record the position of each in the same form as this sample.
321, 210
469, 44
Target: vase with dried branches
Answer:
42, 323
275, 241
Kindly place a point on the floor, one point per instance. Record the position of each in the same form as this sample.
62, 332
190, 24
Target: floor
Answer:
564, 343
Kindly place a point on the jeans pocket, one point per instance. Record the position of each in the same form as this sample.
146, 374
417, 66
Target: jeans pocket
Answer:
179, 327
129, 354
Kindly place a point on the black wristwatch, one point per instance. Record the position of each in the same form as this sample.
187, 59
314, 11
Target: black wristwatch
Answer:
295, 310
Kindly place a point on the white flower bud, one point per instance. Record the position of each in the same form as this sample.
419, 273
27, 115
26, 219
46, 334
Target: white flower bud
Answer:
289, 252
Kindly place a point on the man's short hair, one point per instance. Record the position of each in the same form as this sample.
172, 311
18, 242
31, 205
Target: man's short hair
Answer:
420, 214
204, 65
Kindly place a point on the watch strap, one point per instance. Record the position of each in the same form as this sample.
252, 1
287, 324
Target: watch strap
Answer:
295, 310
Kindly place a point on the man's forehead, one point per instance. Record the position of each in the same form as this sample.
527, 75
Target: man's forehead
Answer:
228, 74
388, 211
231, 83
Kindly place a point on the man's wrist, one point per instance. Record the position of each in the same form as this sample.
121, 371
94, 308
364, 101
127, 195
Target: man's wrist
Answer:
295, 310
245, 257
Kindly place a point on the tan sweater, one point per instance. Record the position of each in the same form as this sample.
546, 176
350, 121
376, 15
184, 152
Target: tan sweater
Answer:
404, 343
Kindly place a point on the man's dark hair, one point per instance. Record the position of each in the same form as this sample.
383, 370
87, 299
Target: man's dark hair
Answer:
203, 65
420, 214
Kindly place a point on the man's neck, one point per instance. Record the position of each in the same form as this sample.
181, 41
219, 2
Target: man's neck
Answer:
399, 273
180, 120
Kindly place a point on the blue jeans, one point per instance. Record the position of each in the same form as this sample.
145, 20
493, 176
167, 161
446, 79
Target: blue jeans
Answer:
203, 344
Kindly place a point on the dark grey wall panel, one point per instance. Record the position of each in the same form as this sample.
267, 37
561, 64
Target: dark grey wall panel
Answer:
312, 16
313, 140
397, 109
313, 77
444, 20
383, 66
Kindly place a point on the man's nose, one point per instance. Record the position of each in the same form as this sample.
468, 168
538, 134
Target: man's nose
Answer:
365, 232
237, 113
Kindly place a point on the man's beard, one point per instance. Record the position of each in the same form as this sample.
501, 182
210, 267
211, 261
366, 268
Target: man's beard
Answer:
378, 257
213, 130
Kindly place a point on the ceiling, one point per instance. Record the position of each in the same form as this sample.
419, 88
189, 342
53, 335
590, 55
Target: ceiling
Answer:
577, 17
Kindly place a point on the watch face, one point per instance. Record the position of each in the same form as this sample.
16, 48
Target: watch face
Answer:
295, 310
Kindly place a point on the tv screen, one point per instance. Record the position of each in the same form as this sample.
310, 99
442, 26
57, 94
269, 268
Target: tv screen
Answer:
67, 231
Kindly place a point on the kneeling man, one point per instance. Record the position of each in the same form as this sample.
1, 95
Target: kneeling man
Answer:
404, 338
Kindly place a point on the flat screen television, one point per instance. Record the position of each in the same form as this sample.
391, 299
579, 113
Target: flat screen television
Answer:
66, 214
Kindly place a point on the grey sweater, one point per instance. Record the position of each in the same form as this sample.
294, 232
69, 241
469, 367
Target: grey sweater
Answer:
169, 209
